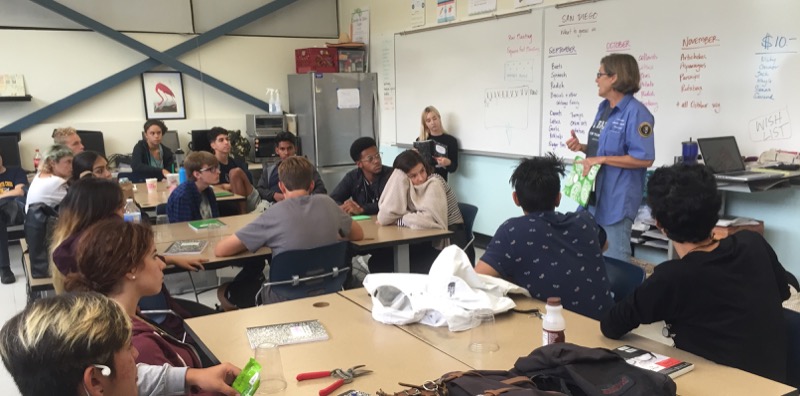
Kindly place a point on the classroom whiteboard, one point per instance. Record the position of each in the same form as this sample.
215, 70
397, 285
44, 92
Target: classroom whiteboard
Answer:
484, 77
709, 68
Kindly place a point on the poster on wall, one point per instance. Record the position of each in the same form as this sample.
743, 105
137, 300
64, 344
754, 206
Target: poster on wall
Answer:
481, 6
359, 26
163, 95
525, 3
445, 11
417, 13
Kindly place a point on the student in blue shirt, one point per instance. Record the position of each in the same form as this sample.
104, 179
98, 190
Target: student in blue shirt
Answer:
194, 199
621, 140
549, 253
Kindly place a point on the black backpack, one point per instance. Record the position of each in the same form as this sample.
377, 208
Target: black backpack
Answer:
39, 224
577, 371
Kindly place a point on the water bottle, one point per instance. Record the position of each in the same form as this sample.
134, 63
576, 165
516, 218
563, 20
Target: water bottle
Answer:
553, 324
37, 158
179, 155
277, 107
182, 175
132, 213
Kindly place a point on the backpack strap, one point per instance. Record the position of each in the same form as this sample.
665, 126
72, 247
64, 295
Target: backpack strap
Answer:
517, 380
495, 392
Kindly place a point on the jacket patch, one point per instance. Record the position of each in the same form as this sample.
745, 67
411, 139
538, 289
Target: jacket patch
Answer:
645, 129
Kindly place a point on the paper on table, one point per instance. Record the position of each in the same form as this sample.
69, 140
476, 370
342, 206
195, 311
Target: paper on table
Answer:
348, 98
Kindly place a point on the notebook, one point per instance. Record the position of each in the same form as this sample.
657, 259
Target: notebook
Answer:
722, 155
666, 365
186, 247
287, 333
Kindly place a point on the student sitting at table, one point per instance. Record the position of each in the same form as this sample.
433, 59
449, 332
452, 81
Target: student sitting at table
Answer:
194, 199
233, 174
285, 147
119, 260
89, 201
80, 345
549, 253
720, 299
361, 188
90, 163
12, 198
49, 186
302, 221
69, 138
150, 158
417, 197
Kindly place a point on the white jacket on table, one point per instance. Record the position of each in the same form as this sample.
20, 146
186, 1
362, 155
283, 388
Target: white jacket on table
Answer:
448, 295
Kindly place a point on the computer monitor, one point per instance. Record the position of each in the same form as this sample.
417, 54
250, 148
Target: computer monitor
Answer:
93, 141
171, 140
9, 149
200, 141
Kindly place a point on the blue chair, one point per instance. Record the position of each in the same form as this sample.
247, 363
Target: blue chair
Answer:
305, 273
624, 277
469, 213
793, 331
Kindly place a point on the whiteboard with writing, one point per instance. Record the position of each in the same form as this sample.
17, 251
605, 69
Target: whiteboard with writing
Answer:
485, 78
708, 68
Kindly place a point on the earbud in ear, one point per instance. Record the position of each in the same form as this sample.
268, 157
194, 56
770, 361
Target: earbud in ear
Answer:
105, 371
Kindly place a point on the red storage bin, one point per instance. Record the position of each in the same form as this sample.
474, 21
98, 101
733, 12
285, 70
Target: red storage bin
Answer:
321, 60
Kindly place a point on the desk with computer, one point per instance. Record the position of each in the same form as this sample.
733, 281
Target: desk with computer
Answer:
722, 156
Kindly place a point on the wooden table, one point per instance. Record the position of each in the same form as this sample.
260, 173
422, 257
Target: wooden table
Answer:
518, 334
377, 236
355, 338
181, 231
166, 234
148, 200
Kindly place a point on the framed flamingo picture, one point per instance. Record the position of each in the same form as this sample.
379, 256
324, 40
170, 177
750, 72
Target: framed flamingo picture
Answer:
163, 95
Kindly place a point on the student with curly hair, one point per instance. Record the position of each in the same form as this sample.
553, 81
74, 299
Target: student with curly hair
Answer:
549, 253
720, 299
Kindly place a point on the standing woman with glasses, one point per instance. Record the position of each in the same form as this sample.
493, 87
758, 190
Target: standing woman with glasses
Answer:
621, 140
432, 129
361, 188
150, 158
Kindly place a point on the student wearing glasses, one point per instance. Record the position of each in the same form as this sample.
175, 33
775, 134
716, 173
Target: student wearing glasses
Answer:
621, 140
361, 188
194, 199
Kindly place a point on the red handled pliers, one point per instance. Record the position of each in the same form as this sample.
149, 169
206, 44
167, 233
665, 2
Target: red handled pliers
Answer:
344, 377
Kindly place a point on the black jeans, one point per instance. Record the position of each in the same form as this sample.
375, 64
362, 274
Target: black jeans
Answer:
10, 214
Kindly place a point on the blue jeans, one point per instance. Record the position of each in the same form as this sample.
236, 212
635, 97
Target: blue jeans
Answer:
619, 240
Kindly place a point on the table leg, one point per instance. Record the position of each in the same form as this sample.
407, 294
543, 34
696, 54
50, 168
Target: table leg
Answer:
402, 261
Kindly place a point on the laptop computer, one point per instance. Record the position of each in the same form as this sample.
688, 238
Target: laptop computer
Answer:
722, 155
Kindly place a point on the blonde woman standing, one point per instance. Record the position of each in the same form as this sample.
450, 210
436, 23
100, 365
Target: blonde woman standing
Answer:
432, 129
